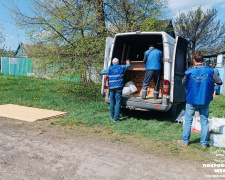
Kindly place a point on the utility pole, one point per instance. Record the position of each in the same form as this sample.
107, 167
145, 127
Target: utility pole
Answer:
18, 39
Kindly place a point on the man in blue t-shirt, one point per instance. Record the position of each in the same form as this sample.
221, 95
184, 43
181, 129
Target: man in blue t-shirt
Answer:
153, 61
199, 82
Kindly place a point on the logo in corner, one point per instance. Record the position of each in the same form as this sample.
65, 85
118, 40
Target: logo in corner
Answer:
218, 155
199, 78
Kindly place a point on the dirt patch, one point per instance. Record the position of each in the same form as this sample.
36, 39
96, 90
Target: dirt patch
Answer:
42, 151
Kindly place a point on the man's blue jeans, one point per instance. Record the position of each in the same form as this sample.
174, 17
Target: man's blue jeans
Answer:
189, 114
115, 99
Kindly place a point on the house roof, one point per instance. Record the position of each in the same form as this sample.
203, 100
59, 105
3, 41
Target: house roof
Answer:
27, 49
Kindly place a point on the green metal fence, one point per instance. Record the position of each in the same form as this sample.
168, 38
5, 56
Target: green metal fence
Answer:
16, 66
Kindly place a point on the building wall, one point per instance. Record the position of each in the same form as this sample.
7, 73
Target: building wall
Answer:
220, 61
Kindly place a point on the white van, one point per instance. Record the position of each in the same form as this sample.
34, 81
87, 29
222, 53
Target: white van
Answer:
132, 46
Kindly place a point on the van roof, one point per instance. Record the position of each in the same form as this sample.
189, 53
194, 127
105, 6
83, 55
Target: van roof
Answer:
139, 32
166, 37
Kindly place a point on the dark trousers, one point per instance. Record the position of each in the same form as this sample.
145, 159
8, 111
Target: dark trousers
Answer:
155, 74
115, 98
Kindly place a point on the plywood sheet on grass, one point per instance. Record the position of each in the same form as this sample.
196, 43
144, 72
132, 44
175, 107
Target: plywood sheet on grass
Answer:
27, 113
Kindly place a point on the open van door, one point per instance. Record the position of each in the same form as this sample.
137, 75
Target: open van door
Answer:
108, 45
179, 66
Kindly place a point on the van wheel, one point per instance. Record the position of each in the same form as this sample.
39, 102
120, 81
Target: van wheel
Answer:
172, 112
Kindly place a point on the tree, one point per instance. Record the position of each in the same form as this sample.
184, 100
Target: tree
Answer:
6, 52
3, 50
72, 33
133, 15
202, 30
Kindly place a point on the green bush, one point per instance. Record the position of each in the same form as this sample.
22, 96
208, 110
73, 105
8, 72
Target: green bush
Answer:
85, 90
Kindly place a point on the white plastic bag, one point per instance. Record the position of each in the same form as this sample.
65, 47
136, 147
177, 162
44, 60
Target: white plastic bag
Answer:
196, 124
126, 91
216, 123
132, 87
129, 83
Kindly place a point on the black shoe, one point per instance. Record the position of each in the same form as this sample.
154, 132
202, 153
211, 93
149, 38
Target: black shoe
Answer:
144, 93
156, 96
116, 120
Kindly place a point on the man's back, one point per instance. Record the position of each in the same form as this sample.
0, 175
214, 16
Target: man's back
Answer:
153, 59
200, 85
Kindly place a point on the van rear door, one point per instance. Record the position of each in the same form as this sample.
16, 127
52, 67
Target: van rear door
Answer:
108, 45
179, 66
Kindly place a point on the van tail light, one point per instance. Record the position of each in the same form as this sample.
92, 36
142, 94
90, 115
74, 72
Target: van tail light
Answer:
166, 87
107, 82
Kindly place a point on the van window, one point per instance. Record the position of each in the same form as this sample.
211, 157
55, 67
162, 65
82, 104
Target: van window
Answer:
133, 46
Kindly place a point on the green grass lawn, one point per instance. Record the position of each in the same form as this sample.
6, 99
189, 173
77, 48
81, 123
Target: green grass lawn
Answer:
152, 130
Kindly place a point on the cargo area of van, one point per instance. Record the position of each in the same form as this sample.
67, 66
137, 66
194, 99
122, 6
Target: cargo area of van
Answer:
137, 77
133, 48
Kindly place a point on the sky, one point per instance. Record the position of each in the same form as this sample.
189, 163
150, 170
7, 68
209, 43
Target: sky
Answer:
177, 6
14, 35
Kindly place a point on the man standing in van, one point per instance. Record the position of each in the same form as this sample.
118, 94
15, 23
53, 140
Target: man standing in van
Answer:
153, 61
115, 74
199, 82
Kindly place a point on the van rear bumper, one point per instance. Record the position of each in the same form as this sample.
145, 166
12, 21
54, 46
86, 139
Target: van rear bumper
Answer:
144, 105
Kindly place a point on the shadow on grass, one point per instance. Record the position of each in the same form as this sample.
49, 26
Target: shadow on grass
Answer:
150, 115
196, 141
144, 115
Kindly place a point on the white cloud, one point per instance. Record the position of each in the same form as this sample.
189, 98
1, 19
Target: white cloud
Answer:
178, 6
8, 36
42, 34
184, 6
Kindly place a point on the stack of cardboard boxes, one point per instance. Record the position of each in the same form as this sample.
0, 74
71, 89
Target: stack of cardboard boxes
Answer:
137, 78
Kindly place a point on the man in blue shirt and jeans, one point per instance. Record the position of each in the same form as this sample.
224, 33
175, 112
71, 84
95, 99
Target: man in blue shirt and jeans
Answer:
199, 82
153, 61
115, 74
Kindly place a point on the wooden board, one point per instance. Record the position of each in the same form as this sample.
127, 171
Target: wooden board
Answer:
27, 113
136, 65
